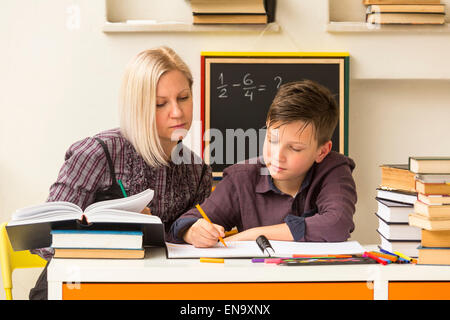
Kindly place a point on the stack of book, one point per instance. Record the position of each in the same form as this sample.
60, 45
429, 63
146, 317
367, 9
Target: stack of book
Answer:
97, 244
233, 11
405, 12
432, 208
396, 196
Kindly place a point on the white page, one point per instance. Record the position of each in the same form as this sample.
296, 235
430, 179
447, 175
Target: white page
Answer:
235, 249
44, 208
46, 217
283, 248
113, 215
134, 203
249, 249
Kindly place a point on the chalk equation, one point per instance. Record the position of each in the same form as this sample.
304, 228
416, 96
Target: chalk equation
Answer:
247, 86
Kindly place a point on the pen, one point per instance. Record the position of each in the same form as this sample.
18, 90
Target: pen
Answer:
207, 219
122, 188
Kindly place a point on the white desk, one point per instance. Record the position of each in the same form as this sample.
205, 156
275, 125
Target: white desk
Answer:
156, 277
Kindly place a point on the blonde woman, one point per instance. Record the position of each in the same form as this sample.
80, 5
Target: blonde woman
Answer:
155, 113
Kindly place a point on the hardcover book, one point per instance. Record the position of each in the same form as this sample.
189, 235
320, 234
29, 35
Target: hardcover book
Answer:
31, 227
424, 165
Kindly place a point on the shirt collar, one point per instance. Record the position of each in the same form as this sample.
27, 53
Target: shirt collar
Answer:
265, 182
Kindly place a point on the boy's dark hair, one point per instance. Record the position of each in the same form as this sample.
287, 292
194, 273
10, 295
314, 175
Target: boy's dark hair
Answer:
309, 102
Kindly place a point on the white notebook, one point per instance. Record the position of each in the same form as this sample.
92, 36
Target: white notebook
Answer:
249, 249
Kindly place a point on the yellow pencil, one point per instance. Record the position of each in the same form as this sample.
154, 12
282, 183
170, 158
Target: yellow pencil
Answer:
207, 219
212, 260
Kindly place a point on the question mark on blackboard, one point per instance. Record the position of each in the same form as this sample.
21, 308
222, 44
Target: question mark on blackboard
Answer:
278, 78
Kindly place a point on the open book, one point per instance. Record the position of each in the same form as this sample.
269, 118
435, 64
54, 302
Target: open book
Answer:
30, 227
250, 249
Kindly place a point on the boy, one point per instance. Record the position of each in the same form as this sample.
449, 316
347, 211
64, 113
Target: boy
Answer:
308, 193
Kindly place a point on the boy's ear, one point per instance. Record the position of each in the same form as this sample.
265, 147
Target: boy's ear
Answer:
323, 150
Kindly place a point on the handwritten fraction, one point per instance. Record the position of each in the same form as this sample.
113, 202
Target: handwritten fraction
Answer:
247, 87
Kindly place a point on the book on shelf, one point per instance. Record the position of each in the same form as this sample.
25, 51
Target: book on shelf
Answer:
228, 7
397, 195
432, 188
405, 18
392, 211
426, 165
230, 19
439, 238
233, 12
369, 2
432, 211
424, 222
433, 178
397, 177
434, 199
407, 247
398, 230
74, 253
434, 256
406, 8
96, 239
30, 227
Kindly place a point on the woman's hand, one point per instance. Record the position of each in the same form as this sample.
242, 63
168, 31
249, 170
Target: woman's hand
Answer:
203, 234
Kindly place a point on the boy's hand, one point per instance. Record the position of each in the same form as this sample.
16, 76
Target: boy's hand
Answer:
203, 234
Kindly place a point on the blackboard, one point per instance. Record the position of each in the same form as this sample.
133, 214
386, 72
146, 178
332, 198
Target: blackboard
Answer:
237, 92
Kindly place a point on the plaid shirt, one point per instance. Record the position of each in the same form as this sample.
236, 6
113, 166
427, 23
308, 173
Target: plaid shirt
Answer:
178, 187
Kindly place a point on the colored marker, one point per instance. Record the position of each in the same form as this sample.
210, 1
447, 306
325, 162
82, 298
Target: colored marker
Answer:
322, 256
273, 260
207, 219
212, 260
377, 259
385, 256
387, 252
257, 260
401, 255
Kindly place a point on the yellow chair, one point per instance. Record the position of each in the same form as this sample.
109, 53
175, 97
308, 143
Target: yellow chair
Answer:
11, 260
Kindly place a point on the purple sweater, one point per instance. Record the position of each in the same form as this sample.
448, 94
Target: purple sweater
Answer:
246, 198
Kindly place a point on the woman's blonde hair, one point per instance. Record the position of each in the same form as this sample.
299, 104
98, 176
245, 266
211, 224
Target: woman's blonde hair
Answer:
138, 100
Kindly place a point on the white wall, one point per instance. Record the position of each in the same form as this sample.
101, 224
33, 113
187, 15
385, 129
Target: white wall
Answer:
59, 83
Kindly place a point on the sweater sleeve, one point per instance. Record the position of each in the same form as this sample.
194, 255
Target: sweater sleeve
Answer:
336, 207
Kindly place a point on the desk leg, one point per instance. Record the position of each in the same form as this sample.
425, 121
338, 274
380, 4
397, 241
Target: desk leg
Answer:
55, 290
380, 290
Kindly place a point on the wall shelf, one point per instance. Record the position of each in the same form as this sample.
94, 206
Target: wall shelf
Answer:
115, 27
353, 26
348, 16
